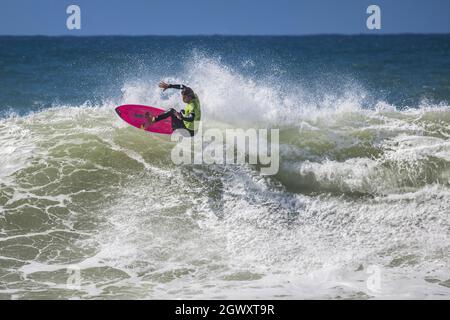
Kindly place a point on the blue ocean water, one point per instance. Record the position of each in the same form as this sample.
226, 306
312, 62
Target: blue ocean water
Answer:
402, 70
93, 208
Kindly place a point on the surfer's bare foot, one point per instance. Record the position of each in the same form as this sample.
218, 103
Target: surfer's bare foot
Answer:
149, 118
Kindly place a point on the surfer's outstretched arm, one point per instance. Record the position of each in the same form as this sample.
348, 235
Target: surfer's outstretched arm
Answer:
166, 86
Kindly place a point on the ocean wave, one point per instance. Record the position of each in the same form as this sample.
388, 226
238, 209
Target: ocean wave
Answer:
357, 187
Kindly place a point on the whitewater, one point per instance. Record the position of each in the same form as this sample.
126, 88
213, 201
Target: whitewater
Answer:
360, 207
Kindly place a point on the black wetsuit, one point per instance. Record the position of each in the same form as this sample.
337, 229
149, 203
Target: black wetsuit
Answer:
177, 123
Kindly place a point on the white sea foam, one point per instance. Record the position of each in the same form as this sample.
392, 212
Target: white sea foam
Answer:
358, 189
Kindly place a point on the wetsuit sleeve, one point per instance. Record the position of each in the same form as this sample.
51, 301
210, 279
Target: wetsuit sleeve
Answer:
189, 118
177, 86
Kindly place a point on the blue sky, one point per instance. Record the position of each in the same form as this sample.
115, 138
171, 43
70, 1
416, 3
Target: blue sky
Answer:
193, 17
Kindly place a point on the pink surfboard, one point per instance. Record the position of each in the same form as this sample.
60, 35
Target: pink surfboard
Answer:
134, 114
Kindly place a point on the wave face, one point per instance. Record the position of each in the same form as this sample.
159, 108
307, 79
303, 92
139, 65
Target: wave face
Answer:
359, 209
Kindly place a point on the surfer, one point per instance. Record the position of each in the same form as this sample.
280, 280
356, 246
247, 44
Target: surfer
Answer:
186, 118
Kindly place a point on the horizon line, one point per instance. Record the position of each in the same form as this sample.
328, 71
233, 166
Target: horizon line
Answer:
227, 35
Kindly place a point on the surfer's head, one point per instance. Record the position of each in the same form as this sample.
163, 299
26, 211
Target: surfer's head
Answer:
187, 95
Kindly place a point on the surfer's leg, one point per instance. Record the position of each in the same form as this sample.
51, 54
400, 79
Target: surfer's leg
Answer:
179, 124
176, 123
168, 113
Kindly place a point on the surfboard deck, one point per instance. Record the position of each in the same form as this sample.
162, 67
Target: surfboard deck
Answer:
134, 115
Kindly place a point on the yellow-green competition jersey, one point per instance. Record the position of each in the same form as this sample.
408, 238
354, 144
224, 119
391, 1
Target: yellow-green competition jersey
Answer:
192, 107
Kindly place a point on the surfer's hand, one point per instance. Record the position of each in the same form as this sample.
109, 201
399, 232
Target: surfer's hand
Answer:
163, 85
178, 115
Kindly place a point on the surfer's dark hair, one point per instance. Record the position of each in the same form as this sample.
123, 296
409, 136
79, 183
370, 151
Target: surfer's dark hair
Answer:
187, 92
